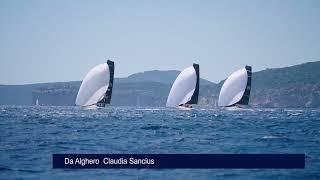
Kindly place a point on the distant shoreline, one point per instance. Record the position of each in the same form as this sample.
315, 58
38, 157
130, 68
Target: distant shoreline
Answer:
290, 87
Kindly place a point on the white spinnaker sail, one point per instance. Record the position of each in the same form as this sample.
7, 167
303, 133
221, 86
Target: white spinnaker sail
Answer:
94, 85
233, 88
182, 88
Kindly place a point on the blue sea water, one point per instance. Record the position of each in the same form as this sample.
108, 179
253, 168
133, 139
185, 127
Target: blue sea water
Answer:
30, 135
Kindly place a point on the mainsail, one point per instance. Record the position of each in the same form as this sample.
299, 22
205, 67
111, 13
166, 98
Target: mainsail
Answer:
236, 88
185, 89
96, 87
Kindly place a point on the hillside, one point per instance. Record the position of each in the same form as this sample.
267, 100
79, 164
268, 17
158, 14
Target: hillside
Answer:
295, 86
164, 77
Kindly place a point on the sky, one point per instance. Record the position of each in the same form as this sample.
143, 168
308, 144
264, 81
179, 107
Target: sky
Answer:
58, 40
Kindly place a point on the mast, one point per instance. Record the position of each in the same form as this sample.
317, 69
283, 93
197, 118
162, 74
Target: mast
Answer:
246, 95
107, 97
194, 98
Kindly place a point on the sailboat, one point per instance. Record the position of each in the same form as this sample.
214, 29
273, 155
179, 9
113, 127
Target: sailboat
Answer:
37, 102
235, 91
185, 89
96, 87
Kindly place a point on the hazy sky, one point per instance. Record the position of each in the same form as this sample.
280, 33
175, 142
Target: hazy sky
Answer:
58, 40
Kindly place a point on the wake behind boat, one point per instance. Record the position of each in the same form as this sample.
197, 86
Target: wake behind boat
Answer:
96, 87
184, 107
238, 108
185, 89
235, 91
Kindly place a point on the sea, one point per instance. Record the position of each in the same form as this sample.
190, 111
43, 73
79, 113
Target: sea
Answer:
29, 135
